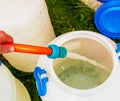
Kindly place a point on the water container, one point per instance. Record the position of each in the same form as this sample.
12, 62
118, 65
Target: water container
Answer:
28, 22
11, 89
92, 45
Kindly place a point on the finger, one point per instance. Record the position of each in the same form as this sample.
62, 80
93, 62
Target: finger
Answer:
5, 38
6, 49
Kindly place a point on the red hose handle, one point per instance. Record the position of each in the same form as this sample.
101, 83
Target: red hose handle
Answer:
31, 49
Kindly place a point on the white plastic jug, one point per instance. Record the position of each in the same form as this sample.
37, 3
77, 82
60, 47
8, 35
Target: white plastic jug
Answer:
92, 45
28, 22
11, 89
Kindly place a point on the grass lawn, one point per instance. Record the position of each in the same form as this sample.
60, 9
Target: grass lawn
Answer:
66, 15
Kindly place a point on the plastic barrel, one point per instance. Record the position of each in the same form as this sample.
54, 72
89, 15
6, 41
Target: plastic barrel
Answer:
28, 22
91, 45
11, 89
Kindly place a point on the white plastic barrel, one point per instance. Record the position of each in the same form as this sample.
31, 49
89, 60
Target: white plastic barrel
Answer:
94, 46
11, 89
28, 22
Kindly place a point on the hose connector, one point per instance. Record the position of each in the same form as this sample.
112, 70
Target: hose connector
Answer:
57, 52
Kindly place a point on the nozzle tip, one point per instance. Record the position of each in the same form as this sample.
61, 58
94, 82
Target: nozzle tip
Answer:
63, 52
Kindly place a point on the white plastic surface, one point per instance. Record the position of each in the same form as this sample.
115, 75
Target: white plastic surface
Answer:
88, 43
28, 22
11, 89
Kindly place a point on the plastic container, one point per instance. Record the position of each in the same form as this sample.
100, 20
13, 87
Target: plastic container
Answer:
107, 18
28, 22
11, 89
92, 45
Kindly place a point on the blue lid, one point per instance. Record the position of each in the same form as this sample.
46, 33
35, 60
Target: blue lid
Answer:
107, 19
104, 1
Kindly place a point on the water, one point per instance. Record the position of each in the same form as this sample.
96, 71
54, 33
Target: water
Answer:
81, 73
83, 58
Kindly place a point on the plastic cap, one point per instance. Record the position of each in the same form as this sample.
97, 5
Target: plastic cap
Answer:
57, 52
104, 1
107, 19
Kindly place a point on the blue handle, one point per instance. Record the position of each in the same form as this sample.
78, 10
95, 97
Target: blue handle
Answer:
118, 50
0, 63
41, 80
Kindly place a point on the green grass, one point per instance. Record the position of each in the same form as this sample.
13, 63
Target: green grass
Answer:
66, 16
70, 15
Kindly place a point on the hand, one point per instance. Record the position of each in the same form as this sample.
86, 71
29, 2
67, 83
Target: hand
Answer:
4, 39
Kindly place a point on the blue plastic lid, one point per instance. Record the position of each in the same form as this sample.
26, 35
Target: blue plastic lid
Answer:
107, 19
104, 1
